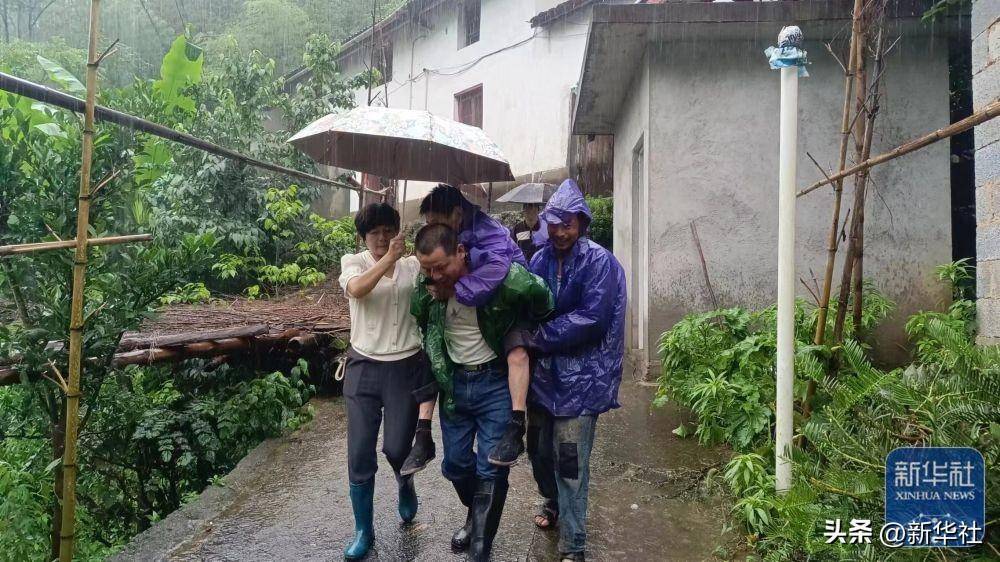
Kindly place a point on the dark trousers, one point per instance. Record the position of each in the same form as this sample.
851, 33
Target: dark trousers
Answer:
370, 388
482, 412
559, 450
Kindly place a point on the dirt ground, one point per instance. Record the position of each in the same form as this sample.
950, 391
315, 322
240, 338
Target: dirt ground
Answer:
288, 501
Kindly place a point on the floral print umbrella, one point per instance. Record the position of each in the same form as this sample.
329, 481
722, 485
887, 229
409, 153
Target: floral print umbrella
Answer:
404, 144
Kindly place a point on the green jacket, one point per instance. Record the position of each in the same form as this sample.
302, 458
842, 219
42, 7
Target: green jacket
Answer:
523, 297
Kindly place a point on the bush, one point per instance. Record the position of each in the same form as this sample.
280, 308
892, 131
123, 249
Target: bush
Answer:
721, 365
149, 438
602, 227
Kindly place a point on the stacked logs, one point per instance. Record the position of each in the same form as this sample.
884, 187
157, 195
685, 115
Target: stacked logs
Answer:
218, 344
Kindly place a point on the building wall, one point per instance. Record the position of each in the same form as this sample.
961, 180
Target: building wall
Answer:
986, 88
527, 77
715, 128
631, 128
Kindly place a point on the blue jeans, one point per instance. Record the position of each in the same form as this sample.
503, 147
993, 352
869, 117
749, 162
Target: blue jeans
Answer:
559, 450
482, 412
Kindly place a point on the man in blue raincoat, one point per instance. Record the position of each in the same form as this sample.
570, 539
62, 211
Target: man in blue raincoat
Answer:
579, 352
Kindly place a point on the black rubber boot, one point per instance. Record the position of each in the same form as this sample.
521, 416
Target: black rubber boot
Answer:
466, 489
510, 446
421, 453
486, 511
407, 498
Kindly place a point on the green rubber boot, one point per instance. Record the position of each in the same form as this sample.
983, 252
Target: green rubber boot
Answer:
362, 499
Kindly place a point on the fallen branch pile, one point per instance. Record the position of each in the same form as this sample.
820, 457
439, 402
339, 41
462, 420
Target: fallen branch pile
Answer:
290, 325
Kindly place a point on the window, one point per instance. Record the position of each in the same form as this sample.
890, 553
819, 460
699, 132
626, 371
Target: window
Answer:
468, 22
469, 106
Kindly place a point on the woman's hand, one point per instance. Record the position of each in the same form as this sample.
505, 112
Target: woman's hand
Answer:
397, 248
361, 285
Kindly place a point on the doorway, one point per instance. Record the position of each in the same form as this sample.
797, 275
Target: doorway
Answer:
639, 259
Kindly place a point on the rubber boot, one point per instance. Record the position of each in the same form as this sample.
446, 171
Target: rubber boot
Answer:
421, 453
466, 489
510, 446
407, 498
486, 511
362, 498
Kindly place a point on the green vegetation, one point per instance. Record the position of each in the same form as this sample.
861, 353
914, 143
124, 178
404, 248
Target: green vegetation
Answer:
602, 227
721, 365
146, 28
151, 438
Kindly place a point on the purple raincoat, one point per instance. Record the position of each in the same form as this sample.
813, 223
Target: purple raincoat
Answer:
491, 251
582, 346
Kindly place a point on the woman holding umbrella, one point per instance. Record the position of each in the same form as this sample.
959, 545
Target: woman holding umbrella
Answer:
386, 369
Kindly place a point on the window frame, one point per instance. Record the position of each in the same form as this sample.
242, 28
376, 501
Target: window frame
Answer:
468, 94
465, 7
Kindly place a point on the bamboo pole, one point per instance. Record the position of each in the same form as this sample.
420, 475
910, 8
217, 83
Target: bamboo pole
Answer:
857, 205
819, 335
991, 111
43, 94
861, 181
15, 249
67, 533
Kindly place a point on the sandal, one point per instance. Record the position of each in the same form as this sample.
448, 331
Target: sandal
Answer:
573, 557
547, 515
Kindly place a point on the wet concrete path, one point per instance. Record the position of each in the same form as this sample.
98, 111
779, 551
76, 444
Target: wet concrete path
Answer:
288, 500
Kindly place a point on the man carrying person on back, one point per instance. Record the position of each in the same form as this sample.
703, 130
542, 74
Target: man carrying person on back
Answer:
490, 251
578, 352
466, 349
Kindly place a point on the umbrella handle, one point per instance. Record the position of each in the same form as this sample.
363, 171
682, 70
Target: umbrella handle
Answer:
402, 213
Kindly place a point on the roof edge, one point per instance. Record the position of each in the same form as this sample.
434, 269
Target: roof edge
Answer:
559, 11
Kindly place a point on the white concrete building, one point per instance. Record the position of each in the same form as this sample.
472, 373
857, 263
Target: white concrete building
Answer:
986, 89
508, 66
695, 125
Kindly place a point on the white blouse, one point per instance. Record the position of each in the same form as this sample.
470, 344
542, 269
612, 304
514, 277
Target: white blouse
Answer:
382, 327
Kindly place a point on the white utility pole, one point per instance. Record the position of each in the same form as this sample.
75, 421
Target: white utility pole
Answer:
789, 43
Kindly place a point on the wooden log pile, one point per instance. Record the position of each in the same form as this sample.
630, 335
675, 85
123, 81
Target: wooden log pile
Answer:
219, 344
289, 326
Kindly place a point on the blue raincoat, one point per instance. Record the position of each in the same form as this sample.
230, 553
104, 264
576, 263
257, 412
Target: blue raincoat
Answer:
491, 251
581, 347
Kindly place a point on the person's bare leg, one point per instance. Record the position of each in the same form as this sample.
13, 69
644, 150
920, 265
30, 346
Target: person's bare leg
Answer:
426, 410
511, 446
519, 377
422, 451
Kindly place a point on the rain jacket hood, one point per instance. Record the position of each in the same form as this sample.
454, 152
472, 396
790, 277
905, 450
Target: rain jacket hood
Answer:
581, 347
566, 201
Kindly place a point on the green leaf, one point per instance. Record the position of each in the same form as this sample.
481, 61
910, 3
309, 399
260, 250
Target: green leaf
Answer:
52, 465
52, 130
63, 77
682, 431
177, 72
